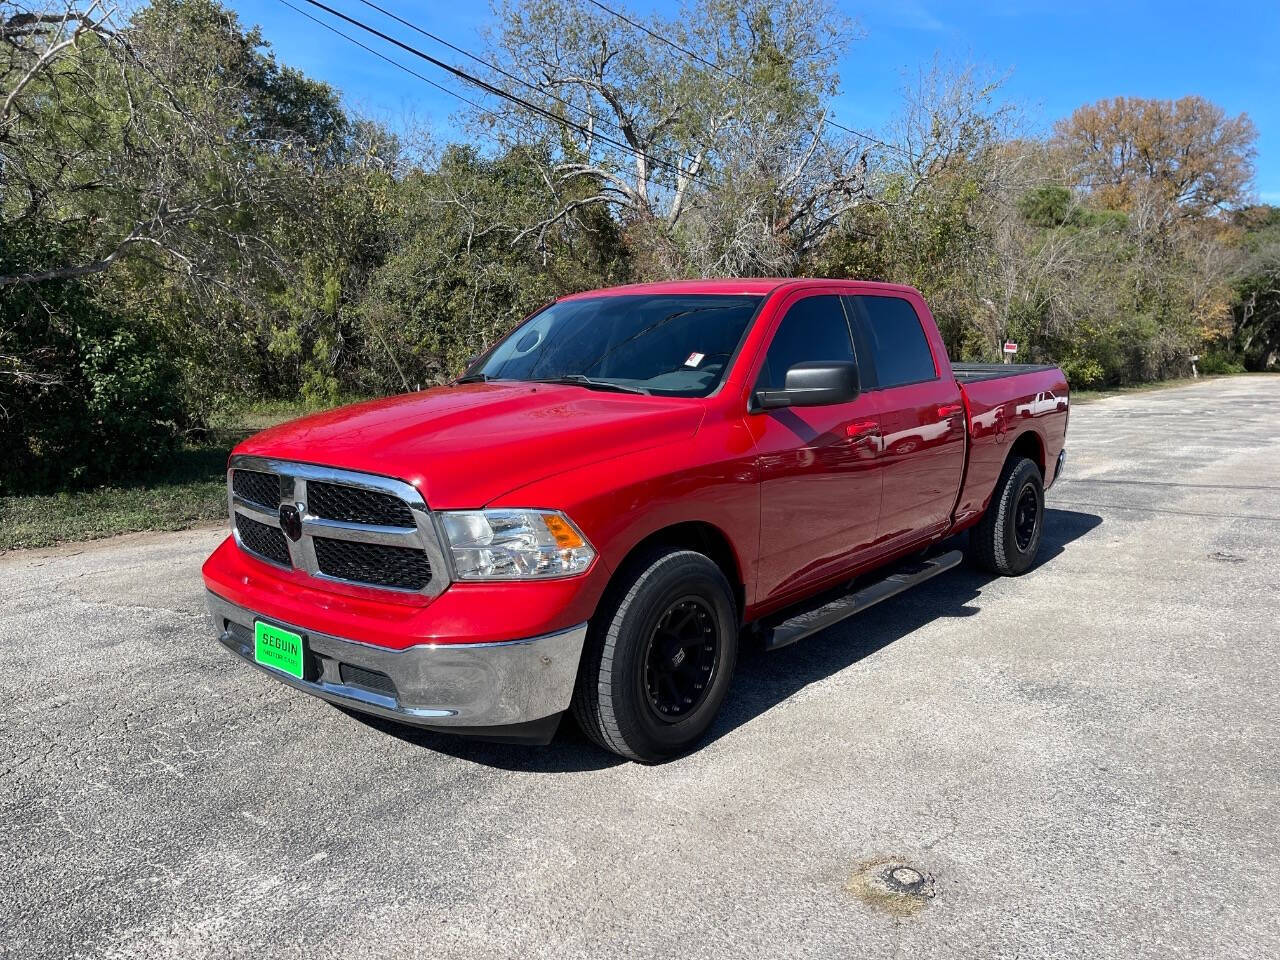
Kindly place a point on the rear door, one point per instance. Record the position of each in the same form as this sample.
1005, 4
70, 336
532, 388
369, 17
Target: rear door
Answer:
921, 418
820, 489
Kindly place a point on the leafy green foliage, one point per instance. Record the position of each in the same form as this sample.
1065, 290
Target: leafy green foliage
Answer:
1046, 206
453, 282
1255, 336
1218, 362
95, 401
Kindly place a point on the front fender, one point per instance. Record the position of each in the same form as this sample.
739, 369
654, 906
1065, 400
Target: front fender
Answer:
618, 503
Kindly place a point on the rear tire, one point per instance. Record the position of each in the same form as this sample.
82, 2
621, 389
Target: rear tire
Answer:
659, 656
1005, 541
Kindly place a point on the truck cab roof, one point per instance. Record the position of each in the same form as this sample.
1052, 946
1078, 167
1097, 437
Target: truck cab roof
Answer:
757, 286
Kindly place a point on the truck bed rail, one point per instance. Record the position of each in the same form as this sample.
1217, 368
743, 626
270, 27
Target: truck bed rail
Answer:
972, 372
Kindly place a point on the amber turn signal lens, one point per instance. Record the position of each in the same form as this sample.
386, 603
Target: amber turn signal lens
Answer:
565, 535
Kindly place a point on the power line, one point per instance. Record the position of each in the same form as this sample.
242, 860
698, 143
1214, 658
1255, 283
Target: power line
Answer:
497, 69
489, 88
732, 76
395, 63
383, 56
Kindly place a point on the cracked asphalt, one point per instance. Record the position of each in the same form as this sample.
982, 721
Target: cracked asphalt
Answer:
1083, 762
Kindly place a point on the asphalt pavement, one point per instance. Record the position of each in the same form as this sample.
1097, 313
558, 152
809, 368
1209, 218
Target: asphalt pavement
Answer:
1081, 762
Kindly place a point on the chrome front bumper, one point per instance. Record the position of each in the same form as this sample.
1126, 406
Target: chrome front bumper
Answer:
448, 686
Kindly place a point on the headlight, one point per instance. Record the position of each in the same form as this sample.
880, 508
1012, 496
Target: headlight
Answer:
515, 544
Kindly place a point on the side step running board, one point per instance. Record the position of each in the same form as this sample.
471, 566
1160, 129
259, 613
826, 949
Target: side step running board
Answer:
901, 578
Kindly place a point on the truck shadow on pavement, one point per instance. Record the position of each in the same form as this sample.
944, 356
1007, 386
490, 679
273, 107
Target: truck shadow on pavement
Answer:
764, 680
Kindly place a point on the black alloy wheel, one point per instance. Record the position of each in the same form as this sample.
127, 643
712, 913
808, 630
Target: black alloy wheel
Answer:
659, 655
1007, 538
681, 658
1026, 516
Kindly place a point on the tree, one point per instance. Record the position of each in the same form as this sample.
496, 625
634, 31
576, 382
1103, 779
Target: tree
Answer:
113, 137
1188, 154
452, 282
187, 225
154, 176
84, 397
937, 205
1256, 314
714, 148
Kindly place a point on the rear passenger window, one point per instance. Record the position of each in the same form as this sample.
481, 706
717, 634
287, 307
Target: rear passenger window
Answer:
895, 338
813, 329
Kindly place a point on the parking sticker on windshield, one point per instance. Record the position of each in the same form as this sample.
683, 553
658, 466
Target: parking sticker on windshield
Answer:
695, 359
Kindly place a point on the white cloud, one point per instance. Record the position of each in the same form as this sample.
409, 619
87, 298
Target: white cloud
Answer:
913, 15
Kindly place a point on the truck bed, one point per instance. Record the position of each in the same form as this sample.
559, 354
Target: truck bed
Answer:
973, 372
1001, 400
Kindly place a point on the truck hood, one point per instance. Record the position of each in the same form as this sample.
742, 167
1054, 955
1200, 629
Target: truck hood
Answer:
465, 446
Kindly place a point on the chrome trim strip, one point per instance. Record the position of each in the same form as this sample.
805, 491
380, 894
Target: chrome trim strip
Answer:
438, 684
255, 511
361, 532
424, 535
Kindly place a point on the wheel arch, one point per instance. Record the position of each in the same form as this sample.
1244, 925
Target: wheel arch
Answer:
1028, 444
699, 535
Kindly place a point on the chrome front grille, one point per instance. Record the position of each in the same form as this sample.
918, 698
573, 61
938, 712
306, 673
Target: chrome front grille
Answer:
355, 528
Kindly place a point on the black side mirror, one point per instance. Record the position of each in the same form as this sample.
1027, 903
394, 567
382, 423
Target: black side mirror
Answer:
815, 383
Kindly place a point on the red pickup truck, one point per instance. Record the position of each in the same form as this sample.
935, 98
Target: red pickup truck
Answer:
612, 496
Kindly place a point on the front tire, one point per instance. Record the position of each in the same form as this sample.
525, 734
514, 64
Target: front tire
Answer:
659, 656
1005, 541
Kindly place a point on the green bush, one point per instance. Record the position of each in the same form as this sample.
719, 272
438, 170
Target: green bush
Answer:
1046, 206
1219, 361
85, 398
1083, 371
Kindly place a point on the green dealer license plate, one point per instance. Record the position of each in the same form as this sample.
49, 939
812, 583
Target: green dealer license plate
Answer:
277, 648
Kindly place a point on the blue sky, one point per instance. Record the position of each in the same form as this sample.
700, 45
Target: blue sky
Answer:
1058, 56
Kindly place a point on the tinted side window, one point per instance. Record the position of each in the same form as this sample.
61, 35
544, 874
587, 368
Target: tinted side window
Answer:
895, 338
813, 329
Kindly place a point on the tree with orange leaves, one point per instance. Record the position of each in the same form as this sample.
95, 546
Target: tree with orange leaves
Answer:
1187, 155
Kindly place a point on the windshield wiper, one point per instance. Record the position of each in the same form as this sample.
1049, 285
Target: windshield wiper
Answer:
578, 380
475, 378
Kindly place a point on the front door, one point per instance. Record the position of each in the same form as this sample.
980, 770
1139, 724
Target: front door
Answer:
820, 486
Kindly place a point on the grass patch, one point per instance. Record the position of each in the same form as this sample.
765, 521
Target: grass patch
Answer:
1086, 395
188, 491
267, 413
191, 490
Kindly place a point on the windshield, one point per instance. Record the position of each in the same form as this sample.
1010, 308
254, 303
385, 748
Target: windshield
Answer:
671, 344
